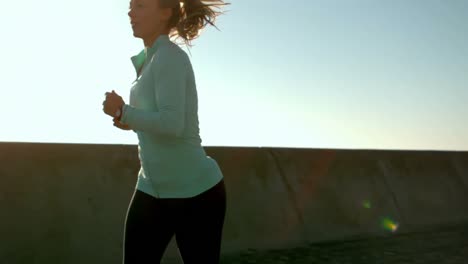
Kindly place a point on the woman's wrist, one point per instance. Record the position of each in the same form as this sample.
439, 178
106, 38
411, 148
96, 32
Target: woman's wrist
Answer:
119, 112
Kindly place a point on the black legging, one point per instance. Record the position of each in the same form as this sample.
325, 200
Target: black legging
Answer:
196, 222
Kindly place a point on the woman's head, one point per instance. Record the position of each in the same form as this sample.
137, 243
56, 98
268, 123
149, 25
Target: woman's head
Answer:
179, 18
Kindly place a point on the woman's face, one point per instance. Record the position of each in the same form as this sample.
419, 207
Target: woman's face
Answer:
147, 18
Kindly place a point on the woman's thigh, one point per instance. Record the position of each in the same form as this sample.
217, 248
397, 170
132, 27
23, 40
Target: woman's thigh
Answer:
200, 225
148, 229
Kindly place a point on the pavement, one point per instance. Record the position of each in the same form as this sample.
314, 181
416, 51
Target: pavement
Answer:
446, 245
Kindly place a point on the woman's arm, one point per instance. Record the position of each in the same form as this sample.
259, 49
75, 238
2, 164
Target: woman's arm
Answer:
170, 76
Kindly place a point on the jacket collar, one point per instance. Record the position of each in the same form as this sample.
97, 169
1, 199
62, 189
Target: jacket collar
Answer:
139, 60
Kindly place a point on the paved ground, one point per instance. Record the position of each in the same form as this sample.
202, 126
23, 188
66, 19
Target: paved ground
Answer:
448, 245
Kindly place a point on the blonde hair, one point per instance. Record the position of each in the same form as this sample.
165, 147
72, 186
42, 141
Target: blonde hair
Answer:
189, 17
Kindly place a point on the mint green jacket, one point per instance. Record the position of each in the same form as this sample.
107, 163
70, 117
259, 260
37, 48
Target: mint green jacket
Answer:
163, 112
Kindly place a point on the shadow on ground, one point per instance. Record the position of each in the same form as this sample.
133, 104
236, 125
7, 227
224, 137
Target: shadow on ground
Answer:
447, 245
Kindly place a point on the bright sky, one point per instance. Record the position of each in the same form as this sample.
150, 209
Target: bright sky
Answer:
370, 74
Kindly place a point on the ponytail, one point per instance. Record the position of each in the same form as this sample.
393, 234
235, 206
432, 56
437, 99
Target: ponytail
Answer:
191, 16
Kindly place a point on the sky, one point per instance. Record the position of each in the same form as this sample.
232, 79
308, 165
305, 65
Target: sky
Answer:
348, 74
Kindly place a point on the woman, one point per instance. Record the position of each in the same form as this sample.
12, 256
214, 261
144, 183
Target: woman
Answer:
180, 190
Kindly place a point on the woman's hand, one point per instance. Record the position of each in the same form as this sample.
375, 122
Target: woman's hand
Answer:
120, 125
112, 104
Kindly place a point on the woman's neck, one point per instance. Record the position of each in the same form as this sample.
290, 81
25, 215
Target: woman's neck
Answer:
148, 42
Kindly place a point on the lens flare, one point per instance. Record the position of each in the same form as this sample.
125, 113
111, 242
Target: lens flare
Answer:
389, 225
366, 204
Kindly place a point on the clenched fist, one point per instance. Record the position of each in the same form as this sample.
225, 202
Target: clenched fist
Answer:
113, 104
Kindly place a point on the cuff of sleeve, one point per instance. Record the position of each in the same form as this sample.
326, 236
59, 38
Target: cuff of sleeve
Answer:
125, 114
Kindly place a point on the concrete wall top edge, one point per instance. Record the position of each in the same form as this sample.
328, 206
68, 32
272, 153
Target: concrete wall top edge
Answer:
32, 144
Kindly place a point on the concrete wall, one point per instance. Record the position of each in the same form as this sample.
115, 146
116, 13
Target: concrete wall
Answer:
66, 203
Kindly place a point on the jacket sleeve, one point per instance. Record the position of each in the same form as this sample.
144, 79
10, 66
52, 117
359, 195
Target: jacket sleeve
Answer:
169, 71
